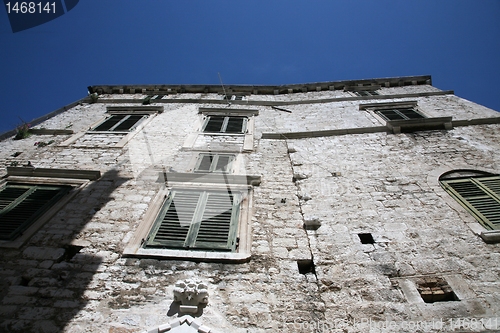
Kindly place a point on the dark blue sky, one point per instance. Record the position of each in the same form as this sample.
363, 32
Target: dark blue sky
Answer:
247, 42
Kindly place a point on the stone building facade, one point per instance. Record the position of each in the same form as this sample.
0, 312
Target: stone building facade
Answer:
350, 206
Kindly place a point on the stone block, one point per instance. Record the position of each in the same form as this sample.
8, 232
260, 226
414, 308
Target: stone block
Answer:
43, 253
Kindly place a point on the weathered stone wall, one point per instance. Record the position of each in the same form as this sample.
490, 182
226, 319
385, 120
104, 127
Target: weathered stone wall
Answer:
71, 275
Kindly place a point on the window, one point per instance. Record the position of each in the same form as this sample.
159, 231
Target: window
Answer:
366, 93
206, 220
237, 97
118, 127
399, 113
29, 197
406, 117
478, 192
225, 124
22, 204
217, 124
120, 123
208, 162
201, 218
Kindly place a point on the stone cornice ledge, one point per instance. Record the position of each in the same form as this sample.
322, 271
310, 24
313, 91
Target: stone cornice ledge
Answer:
277, 103
317, 134
478, 121
363, 130
213, 178
53, 173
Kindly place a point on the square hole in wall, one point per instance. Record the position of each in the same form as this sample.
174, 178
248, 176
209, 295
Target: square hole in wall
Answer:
435, 289
306, 266
366, 238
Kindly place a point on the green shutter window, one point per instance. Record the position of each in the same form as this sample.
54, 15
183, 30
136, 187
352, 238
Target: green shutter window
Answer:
22, 204
223, 124
399, 114
214, 163
479, 195
120, 123
198, 220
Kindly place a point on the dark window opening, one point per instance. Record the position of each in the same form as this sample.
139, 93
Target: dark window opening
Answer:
399, 114
214, 163
223, 124
119, 123
367, 93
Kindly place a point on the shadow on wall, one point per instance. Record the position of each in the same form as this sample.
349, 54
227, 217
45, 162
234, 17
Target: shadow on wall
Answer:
43, 284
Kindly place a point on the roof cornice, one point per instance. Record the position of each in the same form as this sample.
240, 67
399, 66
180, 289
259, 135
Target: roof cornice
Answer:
260, 89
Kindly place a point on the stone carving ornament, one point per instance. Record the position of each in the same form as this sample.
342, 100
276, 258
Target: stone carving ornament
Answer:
190, 293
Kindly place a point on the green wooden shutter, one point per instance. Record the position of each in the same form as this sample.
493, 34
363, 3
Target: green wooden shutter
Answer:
21, 205
480, 196
219, 223
205, 220
174, 220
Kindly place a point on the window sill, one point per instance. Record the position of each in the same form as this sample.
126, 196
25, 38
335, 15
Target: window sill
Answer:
236, 257
490, 236
211, 177
423, 124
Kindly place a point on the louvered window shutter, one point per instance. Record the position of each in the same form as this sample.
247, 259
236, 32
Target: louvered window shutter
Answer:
480, 196
218, 225
21, 205
174, 220
197, 220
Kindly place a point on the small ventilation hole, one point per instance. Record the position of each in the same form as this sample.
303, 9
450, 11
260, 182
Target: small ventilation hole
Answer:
24, 281
366, 238
306, 266
71, 251
435, 289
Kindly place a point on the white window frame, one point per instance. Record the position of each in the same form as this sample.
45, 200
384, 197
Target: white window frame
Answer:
248, 141
148, 111
179, 181
225, 124
399, 125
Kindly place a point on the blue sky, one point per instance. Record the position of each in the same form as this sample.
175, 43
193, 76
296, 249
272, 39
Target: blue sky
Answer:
247, 42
